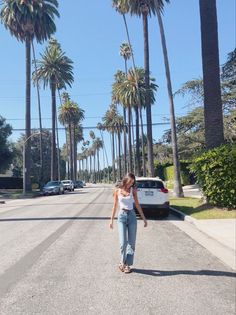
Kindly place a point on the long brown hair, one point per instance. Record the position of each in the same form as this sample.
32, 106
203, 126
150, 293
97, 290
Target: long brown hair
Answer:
126, 179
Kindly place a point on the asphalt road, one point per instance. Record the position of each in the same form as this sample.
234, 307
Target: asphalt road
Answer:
59, 257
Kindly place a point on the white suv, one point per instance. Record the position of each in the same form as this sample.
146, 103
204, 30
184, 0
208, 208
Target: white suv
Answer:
153, 196
68, 184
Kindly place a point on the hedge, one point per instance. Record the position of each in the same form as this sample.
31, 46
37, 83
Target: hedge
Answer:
11, 183
215, 172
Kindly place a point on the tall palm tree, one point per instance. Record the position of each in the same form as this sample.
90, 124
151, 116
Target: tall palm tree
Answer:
133, 95
28, 20
98, 144
54, 70
178, 191
125, 52
70, 115
143, 8
213, 112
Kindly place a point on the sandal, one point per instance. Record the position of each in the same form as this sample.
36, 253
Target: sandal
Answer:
127, 269
121, 267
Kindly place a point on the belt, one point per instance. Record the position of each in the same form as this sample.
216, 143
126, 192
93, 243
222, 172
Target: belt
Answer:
127, 210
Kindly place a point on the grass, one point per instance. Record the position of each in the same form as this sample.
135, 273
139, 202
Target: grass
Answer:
198, 210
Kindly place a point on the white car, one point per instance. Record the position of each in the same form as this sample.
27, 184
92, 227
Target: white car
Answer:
68, 184
153, 196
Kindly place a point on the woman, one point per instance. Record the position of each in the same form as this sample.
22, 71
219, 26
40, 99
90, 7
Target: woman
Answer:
126, 197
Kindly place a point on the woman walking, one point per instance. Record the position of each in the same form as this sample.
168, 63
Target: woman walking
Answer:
126, 196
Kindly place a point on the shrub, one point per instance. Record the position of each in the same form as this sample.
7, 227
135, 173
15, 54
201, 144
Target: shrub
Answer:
215, 172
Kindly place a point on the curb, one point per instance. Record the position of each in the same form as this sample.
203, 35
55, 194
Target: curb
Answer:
182, 215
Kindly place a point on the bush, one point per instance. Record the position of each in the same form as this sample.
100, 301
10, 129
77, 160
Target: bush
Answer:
11, 183
215, 172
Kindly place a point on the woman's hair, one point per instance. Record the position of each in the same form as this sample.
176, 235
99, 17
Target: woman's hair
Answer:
126, 179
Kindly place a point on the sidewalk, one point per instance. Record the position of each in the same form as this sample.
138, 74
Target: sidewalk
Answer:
216, 235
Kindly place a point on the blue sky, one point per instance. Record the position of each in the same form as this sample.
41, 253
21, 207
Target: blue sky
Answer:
90, 32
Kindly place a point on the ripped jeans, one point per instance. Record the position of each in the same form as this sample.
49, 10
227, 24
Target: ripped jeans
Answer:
127, 227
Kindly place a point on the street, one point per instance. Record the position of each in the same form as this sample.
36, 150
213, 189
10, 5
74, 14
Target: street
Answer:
58, 256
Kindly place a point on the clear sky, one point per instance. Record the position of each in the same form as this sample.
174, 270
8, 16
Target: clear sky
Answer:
90, 32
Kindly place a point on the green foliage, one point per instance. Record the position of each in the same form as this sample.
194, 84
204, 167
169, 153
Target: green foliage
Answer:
215, 171
6, 151
11, 183
166, 173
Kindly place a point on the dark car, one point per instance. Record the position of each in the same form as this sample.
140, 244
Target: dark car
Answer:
79, 184
53, 188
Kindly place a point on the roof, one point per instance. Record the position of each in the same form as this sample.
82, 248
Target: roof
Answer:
148, 178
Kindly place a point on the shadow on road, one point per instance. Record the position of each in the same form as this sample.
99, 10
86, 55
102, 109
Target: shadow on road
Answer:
161, 273
53, 218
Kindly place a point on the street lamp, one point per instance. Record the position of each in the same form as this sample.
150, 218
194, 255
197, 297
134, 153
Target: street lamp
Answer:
24, 168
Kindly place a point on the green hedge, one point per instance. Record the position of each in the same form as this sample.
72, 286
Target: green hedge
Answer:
11, 183
215, 171
166, 173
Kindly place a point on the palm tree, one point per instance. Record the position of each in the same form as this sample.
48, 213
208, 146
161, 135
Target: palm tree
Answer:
143, 8
125, 52
98, 144
132, 94
178, 191
69, 116
213, 113
54, 70
27, 20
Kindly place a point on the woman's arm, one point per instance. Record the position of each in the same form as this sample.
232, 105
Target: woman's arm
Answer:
115, 201
137, 205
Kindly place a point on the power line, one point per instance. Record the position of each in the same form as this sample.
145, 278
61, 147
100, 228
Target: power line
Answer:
89, 127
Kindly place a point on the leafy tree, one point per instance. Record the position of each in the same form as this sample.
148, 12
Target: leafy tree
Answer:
6, 150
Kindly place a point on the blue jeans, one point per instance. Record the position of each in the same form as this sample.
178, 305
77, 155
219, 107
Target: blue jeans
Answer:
127, 227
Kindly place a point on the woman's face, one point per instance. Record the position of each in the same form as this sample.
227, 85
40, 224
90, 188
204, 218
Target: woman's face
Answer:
130, 183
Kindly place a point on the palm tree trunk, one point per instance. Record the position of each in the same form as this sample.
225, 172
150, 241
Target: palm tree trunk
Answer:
137, 141
133, 146
147, 100
40, 119
71, 152
58, 153
213, 113
125, 141
119, 153
27, 151
178, 191
143, 145
53, 156
98, 166
130, 140
113, 156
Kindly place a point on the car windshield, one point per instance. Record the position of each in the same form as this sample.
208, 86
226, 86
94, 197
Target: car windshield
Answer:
149, 184
53, 184
66, 181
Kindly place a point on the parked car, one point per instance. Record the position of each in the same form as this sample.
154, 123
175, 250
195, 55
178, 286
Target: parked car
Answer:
53, 188
153, 196
79, 184
68, 184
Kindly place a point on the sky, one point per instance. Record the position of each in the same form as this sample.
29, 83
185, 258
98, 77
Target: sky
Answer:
90, 33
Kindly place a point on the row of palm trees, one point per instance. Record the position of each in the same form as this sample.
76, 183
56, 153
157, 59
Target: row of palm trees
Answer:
133, 89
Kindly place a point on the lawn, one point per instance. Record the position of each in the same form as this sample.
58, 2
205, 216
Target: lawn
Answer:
197, 209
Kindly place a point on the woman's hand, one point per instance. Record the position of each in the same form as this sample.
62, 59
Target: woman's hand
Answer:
111, 225
145, 222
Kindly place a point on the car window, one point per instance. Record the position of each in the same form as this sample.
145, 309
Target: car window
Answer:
52, 184
66, 181
149, 184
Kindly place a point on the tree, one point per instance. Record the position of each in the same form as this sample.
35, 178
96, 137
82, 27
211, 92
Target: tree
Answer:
125, 52
27, 20
6, 150
211, 74
69, 116
132, 94
54, 70
178, 190
143, 9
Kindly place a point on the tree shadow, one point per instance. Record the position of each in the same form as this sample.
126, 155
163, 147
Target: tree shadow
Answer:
53, 219
162, 273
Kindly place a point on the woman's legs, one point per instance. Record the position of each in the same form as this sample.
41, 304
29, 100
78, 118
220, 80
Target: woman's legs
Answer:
132, 230
122, 229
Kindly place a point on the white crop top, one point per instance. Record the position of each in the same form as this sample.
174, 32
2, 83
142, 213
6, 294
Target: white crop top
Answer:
126, 202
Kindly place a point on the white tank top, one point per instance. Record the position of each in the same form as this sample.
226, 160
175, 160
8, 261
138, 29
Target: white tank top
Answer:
126, 202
